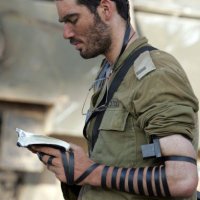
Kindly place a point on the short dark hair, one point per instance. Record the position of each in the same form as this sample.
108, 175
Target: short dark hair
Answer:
122, 7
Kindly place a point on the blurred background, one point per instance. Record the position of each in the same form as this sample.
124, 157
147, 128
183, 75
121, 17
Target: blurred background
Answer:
44, 81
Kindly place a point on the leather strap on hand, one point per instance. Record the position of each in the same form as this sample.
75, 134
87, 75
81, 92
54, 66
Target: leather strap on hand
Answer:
69, 168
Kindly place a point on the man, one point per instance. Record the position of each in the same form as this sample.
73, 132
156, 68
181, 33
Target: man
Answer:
143, 136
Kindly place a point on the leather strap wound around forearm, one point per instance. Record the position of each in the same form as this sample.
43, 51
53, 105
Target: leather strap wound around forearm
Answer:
154, 177
148, 181
157, 180
140, 180
122, 179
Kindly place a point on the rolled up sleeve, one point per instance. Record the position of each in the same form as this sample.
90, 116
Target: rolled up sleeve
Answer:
165, 104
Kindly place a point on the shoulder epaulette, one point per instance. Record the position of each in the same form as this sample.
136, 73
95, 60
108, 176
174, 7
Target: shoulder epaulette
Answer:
143, 65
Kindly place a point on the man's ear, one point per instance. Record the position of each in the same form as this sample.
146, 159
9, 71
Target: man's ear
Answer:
107, 8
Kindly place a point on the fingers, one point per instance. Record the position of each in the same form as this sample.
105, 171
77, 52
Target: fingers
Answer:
51, 157
59, 173
30, 149
40, 155
54, 165
48, 160
46, 150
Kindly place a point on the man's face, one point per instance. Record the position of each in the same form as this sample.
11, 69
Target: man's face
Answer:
85, 30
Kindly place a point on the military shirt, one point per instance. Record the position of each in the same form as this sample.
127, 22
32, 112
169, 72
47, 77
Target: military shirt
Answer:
155, 98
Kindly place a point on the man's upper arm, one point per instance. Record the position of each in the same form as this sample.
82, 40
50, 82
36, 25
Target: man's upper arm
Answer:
182, 176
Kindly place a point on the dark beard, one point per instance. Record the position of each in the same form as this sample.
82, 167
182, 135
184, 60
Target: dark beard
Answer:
98, 39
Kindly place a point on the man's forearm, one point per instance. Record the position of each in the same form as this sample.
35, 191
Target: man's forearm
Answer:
131, 180
149, 181
176, 177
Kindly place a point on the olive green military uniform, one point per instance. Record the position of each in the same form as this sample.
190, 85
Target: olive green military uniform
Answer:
155, 98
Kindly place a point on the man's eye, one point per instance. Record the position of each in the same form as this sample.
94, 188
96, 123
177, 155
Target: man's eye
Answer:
72, 20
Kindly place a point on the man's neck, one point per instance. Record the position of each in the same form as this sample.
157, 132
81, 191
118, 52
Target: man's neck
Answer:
117, 43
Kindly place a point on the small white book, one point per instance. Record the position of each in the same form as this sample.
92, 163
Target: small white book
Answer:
26, 139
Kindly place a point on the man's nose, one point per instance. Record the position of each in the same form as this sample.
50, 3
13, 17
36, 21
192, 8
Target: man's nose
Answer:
68, 31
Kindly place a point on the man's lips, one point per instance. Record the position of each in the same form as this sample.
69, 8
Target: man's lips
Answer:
75, 42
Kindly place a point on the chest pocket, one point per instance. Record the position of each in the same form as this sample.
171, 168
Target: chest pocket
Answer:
116, 141
114, 119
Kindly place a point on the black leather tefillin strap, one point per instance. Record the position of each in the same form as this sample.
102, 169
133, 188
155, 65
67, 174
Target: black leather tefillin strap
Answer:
113, 87
148, 181
137, 179
157, 181
122, 179
153, 150
140, 180
164, 181
125, 42
130, 181
114, 178
154, 174
179, 158
103, 177
69, 168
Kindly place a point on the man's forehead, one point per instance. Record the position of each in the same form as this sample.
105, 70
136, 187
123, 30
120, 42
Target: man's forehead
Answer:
66, 4
68, 8
66, 0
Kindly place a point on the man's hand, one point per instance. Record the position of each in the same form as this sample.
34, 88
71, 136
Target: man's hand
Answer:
81, 161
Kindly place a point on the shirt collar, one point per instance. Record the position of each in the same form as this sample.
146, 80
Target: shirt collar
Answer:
132, 47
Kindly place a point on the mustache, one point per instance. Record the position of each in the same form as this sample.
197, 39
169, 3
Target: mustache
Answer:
74, 41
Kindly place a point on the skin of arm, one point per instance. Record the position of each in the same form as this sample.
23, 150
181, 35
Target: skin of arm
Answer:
181, 176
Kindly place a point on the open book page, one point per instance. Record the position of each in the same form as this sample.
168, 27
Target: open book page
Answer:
26, 139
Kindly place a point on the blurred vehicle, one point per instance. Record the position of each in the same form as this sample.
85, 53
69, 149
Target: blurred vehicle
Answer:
43, 84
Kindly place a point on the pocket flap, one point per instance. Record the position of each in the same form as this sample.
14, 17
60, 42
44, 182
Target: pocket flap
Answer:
114, 119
